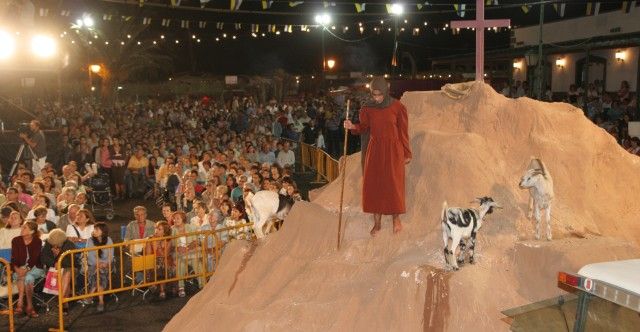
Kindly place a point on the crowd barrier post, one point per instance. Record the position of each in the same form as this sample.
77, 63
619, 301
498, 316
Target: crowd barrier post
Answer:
9, 311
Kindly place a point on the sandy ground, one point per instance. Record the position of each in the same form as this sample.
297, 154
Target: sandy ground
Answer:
296, 280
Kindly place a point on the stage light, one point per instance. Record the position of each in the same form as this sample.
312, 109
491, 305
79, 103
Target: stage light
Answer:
323, 19
88, 21
331, 63
95, 68
397, 9
43, 46
79, 23
93, 88
620, 55
561, 62
7, 45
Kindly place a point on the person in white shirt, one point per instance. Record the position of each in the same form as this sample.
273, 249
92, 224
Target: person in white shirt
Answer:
80, 232
286, 156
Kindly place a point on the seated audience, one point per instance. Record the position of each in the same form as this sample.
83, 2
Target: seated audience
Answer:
27, 267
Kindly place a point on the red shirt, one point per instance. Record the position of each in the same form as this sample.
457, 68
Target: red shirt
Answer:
19, 252
141, 230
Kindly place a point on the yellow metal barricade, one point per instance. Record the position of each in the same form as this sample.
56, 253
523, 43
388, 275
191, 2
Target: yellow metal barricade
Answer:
9, 311
199, 250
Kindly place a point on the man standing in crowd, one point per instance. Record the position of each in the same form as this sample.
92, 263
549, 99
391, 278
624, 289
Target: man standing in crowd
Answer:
38, 145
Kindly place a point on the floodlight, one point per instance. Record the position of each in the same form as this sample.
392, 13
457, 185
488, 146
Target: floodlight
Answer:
7, 45
43, 46
397, 9
323, 19
95, 68
88, 21
79, 23
331, 63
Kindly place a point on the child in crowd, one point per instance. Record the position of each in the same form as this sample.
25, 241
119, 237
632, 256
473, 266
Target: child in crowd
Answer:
163, 249
99, 261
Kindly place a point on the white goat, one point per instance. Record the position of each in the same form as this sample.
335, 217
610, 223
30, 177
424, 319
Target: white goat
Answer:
540, 184
266, 205
459, 225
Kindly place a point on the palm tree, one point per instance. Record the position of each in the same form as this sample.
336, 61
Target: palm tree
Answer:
122, 49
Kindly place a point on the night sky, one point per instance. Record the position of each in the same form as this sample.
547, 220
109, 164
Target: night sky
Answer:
299, 52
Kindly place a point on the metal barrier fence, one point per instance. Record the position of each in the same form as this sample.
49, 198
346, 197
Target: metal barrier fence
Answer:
143, 263
9, 276
320, 161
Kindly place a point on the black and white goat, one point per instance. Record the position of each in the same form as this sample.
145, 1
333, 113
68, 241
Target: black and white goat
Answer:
540, 184
461, 225
265, 206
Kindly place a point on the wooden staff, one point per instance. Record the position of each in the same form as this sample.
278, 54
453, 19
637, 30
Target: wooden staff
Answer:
342, 174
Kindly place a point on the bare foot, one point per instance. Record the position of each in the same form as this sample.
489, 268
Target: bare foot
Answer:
397, 226
376, 228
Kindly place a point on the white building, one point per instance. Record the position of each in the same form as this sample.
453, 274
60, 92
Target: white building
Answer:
611, 42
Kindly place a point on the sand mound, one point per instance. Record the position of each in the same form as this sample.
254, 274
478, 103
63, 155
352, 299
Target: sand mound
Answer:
479, 145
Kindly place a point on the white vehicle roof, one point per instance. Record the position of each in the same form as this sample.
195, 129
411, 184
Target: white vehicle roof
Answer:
622, 274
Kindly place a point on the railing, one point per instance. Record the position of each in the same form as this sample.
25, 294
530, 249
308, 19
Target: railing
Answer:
139, 264
320, 161
9, 310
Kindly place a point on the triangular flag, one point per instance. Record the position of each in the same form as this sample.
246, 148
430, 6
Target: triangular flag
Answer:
525, 9
203, 3
460, 9
360, 7
295, 3
596, 11
389, 8
175, 3
589, 7
235, 4
266, 4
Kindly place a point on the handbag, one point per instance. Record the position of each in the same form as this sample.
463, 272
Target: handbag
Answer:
51, 282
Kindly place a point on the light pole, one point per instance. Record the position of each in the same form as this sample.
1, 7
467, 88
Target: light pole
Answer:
323, 20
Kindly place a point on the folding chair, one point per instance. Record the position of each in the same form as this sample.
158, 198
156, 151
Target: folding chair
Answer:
141, 264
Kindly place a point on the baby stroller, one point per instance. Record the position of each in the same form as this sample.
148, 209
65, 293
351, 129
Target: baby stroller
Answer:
100, 195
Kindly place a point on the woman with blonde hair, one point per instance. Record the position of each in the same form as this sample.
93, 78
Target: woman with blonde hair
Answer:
186, 249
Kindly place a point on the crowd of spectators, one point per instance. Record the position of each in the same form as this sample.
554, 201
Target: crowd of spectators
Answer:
200, 160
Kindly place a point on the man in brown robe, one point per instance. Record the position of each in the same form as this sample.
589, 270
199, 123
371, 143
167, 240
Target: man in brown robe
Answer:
387, 152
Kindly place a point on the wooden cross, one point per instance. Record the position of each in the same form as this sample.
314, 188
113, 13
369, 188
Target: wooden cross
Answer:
480, 24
